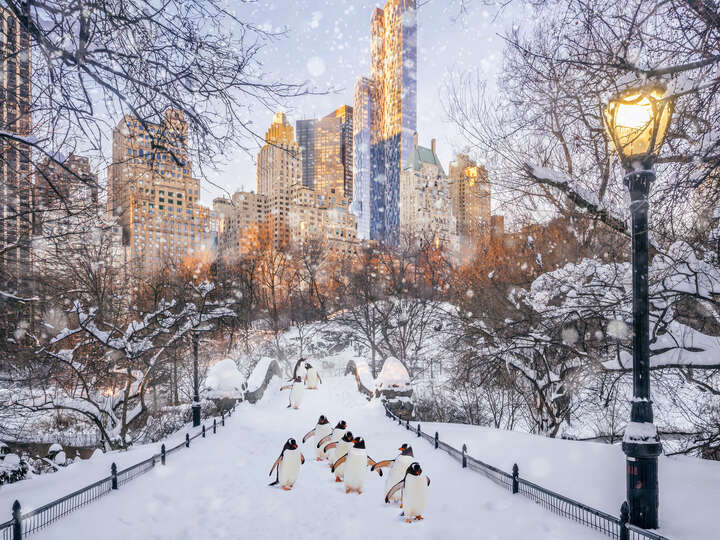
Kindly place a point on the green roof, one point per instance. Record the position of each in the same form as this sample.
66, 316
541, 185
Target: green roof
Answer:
422, 155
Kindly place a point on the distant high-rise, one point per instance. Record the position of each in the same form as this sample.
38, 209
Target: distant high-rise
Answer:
279, 169
326, 146
15, 155
152, 191
470, 196
385, 120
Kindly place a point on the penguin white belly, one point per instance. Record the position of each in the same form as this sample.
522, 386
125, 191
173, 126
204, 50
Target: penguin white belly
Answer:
414, 495
289, 468
340, 450
396, 474
342, 447
321, 432
355, 469
296, 395
311, 378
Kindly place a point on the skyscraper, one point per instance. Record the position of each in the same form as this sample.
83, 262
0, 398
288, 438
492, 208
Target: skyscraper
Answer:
152, 191
326, 146
470, 196
386, 119
15, 155
279, 169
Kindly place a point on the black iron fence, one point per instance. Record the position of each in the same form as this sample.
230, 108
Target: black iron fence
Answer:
614, 527
23, 524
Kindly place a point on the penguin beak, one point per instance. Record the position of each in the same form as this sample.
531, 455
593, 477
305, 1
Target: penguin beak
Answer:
401, 449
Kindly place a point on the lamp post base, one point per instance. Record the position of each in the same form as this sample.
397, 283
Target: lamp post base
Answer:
196, 414
643, 491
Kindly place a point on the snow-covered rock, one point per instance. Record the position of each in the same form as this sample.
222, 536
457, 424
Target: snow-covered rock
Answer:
393, 376
224, 380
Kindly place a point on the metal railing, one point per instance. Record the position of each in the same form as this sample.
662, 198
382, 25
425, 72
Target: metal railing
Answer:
614, 527
23, 524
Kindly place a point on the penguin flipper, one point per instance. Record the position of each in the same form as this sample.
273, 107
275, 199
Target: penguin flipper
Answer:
381, 464
302, 459
428, 479
323, 440
277, 462
339, 462
371, 462
329, 446
308, 435
397, 487
319, 379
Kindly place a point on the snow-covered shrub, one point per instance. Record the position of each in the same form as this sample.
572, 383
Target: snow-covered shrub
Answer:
170, 420
224, 380
12, 469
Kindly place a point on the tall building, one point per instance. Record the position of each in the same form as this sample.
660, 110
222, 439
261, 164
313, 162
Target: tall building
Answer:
15, 155
57, 178
425, 209
237, 217
279, 170
326, 148
152, 191
387, 119
470, 195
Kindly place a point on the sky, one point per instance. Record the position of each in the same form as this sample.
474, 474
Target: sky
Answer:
326, 43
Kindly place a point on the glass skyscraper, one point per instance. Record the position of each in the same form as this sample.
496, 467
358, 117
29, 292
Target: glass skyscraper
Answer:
385, 120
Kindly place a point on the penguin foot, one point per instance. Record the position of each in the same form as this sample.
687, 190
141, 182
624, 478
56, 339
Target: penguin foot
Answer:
347, 490
337, 479
318, 459
286, 488
359, 491
400, 505
419, 518
294, 407
408, 520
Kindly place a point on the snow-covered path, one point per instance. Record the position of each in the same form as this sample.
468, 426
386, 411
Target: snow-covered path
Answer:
219, 487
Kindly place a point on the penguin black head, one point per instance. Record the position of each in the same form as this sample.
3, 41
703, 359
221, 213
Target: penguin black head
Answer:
348, 437
359, 442
414, 469
342, 424
406, 450
307, 366
322, 420
298, 379
291, 444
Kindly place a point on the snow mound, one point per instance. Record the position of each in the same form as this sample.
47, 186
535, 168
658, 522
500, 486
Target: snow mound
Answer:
393, 376
224, 380
257, 377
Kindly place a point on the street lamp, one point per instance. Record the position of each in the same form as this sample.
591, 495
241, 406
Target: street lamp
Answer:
196, 379
637, 120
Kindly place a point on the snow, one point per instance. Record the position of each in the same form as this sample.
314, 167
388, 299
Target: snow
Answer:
257, 377
224, 380
219, 487
393, 375
640, 433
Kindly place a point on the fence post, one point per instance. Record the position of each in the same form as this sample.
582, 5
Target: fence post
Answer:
222, 416
418, 432
464, 457
516, 477
17, 521
113, 473
437, 440
229, 413
624, 518
407, 424
162, 454
203, 431
187, 440
214, 425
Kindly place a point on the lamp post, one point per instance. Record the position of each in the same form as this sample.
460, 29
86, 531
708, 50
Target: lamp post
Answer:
196, 380
637, 120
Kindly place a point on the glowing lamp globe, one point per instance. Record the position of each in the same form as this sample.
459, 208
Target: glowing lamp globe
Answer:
637, 121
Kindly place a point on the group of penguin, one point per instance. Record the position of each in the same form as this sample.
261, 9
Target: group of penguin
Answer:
347, 456
297, 386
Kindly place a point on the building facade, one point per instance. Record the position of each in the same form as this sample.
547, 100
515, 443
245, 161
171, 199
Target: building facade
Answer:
425, 206
279, 170
154, 195
389, 100
470, 195
15, 155
237, 217
326, 149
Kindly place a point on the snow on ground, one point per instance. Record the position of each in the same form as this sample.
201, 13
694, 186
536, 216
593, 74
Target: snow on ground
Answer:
218, 488
594, 474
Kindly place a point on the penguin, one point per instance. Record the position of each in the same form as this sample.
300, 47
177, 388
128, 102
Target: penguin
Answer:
320, 431
398, 468
296, 392
312, 377
341, 448
299, 370
288, 465
355, 462
413, 488
336, 434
